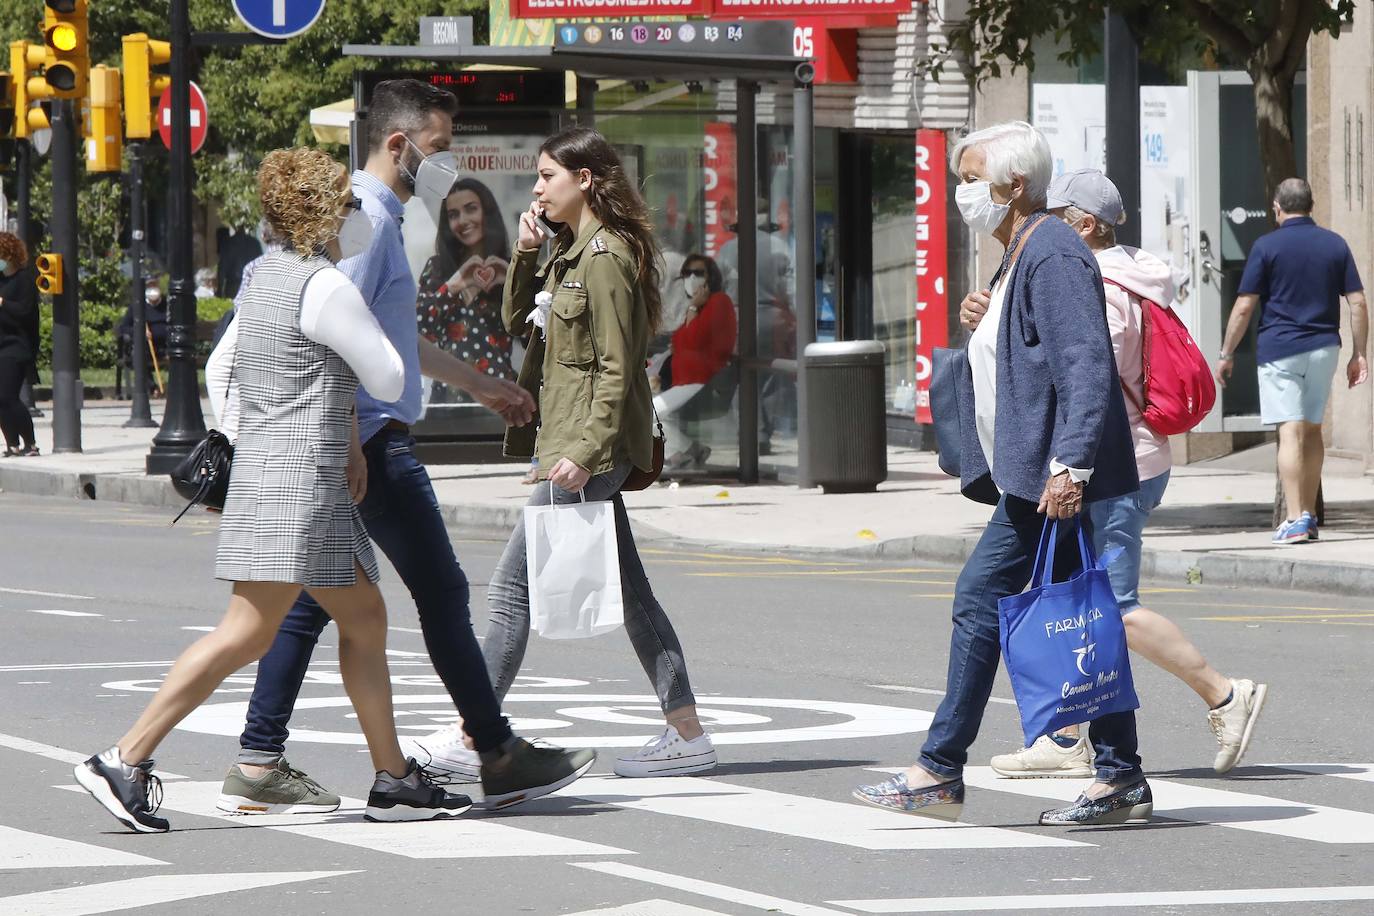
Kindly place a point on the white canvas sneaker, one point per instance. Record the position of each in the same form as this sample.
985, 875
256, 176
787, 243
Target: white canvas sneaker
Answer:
1234, 723
443, 755
1046, 758
669, 755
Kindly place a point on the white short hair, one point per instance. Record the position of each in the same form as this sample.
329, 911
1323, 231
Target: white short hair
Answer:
1012, 150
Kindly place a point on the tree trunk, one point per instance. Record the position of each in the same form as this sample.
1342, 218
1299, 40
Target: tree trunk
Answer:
1274, 121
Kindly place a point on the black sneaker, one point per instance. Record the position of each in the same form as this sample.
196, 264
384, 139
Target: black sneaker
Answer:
413, 797
131, 794
531, 771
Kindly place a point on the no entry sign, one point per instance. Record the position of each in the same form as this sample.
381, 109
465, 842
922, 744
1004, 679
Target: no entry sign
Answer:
199, 116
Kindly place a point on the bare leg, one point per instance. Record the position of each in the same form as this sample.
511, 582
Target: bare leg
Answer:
685, 720
1313, 455
360, 614
243, 636
1292, 451
1161, 641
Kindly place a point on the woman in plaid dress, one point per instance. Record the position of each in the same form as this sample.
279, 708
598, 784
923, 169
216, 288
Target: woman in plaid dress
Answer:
302, 339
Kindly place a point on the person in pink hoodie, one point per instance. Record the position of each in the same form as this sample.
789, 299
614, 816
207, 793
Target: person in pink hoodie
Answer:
1089, 202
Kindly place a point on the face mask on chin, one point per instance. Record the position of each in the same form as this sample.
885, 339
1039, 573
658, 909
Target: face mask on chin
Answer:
980, 212
433, 178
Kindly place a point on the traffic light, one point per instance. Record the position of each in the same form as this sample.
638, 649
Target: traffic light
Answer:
49, 280
104, 133
67, 62
25, 60
143, 87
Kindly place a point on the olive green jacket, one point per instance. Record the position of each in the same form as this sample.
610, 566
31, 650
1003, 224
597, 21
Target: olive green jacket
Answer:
586, 373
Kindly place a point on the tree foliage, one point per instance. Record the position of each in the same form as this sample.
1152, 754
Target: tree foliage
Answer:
1266, 38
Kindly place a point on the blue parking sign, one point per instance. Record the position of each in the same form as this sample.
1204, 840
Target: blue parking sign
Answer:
279, 18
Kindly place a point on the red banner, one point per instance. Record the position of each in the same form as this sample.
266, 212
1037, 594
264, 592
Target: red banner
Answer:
932, 262
791, 9
608, 9
720, 198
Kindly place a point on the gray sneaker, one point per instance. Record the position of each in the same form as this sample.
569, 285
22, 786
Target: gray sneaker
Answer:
130, 793
531, 771
412, 797
281, 790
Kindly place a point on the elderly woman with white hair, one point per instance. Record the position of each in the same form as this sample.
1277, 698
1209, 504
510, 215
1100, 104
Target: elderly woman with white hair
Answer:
1042, 430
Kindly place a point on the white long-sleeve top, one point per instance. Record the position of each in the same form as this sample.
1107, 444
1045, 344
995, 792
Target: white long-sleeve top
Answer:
334, 314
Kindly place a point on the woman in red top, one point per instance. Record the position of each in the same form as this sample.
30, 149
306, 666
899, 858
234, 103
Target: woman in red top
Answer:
700, 348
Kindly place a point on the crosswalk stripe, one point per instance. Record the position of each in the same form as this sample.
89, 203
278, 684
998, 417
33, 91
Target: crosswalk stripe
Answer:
709, 889
1107, 902
650, 908
465, 837
1220, 807
848, 823
1364, 772
133, 893
22, 849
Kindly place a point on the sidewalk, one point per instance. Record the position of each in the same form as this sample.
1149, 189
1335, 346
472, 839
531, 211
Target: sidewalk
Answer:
1214, 524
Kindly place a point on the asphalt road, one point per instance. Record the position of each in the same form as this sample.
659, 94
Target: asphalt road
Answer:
810, 673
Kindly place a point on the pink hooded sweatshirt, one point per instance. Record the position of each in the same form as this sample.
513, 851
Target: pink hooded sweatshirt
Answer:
1148, 278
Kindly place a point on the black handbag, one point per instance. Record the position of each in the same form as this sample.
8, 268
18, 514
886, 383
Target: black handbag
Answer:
203, 476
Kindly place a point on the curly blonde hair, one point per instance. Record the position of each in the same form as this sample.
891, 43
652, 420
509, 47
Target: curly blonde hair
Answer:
13, 250
302, 191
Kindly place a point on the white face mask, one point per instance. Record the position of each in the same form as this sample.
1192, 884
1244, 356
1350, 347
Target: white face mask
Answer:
153, 297
354, 235
434, 177
692, 284
979, 210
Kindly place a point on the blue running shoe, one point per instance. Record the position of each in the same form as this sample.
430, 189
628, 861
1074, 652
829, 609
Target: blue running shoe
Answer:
1312, 534
1293, 531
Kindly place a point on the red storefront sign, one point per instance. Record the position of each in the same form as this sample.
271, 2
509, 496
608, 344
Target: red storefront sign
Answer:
718, 170
792, 9
833, 51
609, 9
932, 262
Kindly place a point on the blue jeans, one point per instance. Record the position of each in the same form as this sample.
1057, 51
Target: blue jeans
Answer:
401, 514
650, 631
1120, 522
1000, 566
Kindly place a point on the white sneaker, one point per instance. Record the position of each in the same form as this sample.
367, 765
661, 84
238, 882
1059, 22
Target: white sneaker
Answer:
1234, 723
1046, 758
669, 755
443, 755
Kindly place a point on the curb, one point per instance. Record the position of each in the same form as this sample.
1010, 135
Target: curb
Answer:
1298, 574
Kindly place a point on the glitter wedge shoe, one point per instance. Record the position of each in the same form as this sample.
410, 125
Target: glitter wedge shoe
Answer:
944, 800
1132, 804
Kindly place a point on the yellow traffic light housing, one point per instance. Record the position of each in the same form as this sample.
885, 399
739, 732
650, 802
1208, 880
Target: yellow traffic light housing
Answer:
49, 280
25, 61
104, 133
143, 87
66, 65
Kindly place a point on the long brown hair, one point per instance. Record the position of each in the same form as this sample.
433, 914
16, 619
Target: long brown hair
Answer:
616, 203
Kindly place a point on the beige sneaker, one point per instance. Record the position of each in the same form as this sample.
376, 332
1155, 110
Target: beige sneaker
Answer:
1045, 758
1234, 723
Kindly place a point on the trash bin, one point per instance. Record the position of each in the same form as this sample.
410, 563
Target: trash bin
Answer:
846, 415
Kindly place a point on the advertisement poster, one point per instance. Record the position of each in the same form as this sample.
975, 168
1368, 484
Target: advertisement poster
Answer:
459, 253
932, 261
718, 173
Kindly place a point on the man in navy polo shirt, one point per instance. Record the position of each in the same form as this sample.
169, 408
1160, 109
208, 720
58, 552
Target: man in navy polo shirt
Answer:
1297, 275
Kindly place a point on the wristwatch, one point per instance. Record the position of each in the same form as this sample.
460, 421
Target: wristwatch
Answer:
1227, 357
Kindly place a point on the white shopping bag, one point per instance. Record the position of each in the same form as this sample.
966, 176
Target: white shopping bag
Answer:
574, 570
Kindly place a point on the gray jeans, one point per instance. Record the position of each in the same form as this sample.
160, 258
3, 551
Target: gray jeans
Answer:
651, 633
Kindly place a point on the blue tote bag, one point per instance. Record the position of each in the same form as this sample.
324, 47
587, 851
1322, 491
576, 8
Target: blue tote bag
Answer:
1064, 643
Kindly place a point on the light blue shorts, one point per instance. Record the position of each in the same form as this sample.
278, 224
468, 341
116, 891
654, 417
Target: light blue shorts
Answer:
1120, 522
1297, 387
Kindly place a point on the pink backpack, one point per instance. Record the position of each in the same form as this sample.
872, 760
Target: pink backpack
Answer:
1179, 390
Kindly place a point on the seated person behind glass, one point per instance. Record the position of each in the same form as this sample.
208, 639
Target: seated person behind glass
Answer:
154, 312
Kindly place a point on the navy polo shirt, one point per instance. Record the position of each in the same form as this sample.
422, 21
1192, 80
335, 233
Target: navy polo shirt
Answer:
1299, 271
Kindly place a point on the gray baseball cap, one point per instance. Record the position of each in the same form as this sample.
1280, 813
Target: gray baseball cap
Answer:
1090, 191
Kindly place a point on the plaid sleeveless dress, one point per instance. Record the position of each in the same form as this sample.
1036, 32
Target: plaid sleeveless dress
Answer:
288, 516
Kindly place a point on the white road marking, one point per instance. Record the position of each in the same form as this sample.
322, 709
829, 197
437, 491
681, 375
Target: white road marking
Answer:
200, 629
1221, 807
650, 908
935, 693
401, 653
709, 889
65, 613
141, 892
1364, 772
407, 630
60, 754
823, 820
26, 591
22, 849
87, 666
1107, 902
465, 837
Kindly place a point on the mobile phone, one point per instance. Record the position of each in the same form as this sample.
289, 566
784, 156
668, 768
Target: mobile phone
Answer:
550, 228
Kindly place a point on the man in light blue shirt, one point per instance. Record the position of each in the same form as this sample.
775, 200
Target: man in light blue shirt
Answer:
410, 129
